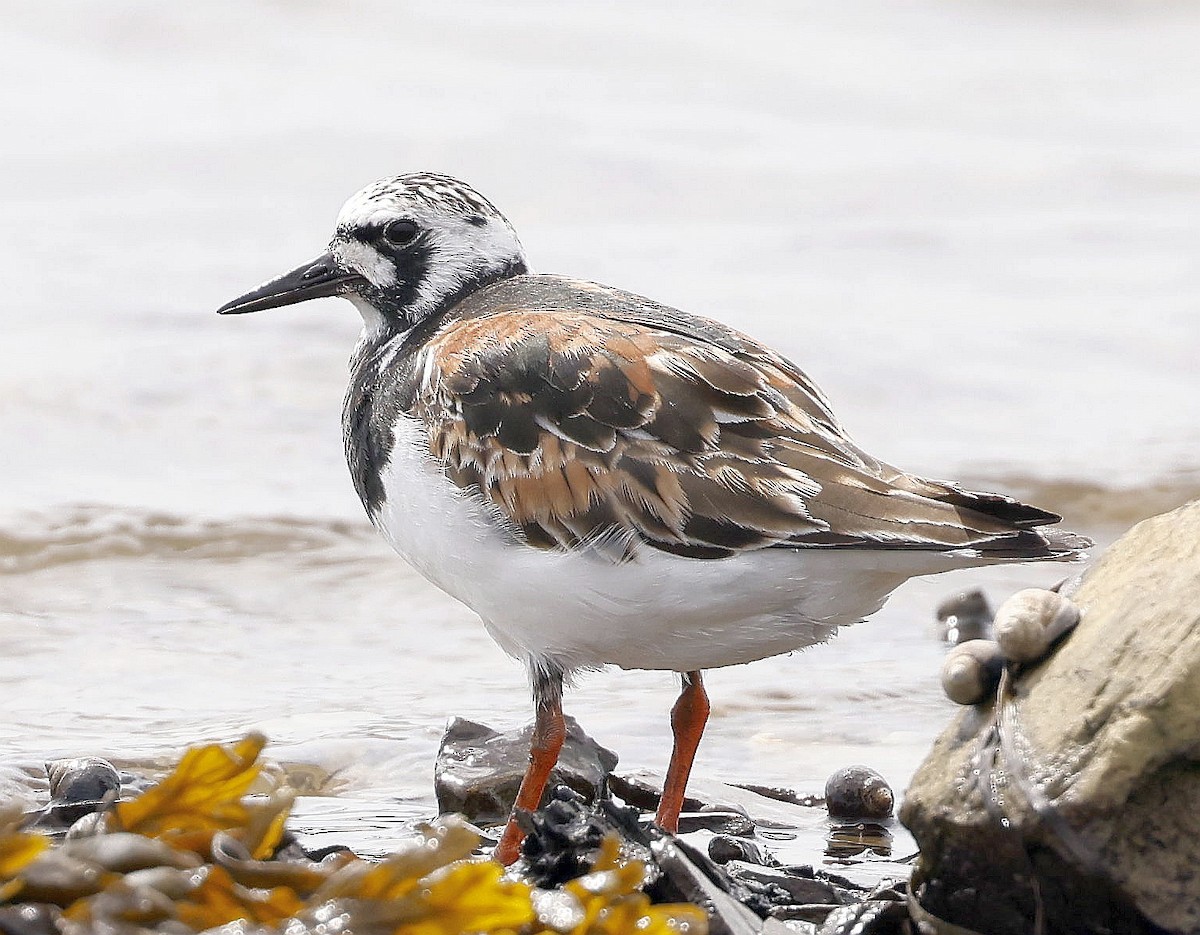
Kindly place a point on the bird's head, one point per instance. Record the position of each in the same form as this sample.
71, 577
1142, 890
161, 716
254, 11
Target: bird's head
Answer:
404, 248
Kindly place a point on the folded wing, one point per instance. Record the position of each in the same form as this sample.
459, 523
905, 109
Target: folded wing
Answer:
584, 429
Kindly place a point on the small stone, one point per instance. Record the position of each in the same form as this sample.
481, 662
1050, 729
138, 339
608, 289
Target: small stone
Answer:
858, 792
719, 822
56, 877
124, 852
723, 848
790, 796
479, 770
642, 791
889, 891
800, 889
690, 877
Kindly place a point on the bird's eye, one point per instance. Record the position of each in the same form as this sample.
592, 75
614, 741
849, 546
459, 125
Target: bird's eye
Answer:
401, 233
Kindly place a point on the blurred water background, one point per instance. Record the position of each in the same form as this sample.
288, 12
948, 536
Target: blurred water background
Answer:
976, 224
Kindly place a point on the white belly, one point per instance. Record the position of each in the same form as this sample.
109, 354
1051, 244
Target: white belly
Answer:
659, 611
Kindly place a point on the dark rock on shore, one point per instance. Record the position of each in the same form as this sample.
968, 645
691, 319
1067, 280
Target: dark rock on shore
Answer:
722, 848
642, 790
1076, 797
479, 770
565, 836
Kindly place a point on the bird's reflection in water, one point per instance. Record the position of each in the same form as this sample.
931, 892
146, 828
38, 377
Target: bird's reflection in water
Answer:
866, 838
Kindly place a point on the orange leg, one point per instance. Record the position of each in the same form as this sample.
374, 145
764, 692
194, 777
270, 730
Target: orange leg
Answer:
549, 731
688, 718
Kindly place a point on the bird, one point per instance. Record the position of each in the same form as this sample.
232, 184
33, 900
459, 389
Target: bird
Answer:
606, 480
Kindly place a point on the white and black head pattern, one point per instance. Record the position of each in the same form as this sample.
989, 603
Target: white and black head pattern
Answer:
420, 242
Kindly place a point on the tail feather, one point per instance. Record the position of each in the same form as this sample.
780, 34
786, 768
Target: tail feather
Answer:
977, 524
1030, 540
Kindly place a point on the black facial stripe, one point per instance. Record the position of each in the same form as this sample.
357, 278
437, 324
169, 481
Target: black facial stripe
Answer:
368, 234
412, 266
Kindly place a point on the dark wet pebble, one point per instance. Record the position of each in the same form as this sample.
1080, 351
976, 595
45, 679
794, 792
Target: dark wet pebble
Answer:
798, 889
790, 796
723, 848
858, 792
718, 822
644, 794
478, 770
689, 876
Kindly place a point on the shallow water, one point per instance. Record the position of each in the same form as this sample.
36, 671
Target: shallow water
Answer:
975, 224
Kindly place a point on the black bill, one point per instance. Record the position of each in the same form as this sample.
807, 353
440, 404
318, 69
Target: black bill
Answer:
314, 280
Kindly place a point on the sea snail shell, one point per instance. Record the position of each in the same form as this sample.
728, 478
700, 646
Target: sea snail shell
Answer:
1029, 622
971, 671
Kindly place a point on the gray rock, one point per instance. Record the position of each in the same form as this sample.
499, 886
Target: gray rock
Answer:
800, 889
692, 879
791, 796
1087, 777
723, 848
479, 770
643, 788
718, 822
812, 912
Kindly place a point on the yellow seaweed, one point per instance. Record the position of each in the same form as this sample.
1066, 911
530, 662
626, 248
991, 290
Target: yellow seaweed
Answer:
431, 886
471, 896
205, 794
17, 850
218, 900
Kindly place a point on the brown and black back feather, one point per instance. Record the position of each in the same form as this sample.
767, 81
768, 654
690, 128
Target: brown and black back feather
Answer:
585, 414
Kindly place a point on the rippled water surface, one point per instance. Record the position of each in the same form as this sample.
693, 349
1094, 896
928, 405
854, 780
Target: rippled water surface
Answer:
975, 224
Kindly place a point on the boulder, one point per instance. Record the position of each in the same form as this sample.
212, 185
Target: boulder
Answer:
1076, 798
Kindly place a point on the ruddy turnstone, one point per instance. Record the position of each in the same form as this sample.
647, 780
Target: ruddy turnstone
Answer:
606, 480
